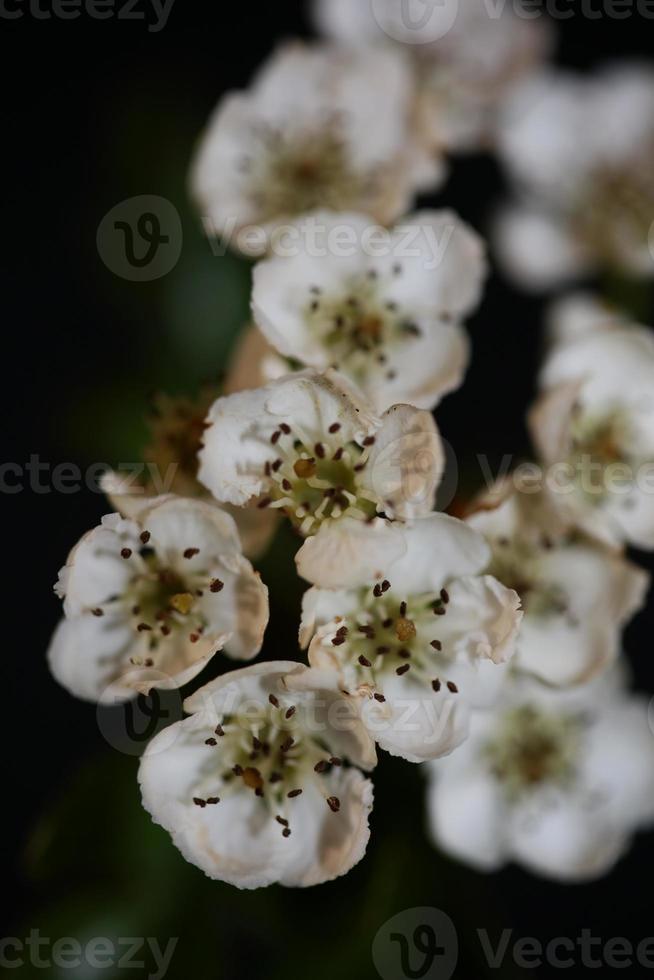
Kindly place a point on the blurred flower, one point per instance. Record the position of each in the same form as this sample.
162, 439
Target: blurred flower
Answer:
466, 57
309, 134
580, 151
149, 601
309, 446
253, 787
593, 426
171, 466
391, 322
557, 782
422, 644
577, 596
579, 314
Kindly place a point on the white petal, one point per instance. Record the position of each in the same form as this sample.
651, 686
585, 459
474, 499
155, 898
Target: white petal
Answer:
482, 620
415, 722
349, 553
237, 447
425, 368
619, 763
177, 524
603, 591
467, 817
438, 548
445, 267
331, 709
320, 606
85, 655
537, 249
565, 838
406, 462
95, 570
577, 315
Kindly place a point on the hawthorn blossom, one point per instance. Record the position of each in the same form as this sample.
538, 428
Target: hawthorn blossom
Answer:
309, 446
577, 596
419, 641
466, 57
254, 787
308, 133
593, 426
580, 151
388, 318
557, 782
149, 601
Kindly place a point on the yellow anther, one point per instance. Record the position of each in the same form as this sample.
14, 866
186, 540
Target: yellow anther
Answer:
405, 629
182, 602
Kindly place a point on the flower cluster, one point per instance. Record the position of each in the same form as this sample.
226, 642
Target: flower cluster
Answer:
486, 646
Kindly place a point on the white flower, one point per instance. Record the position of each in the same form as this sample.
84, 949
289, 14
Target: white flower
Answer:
580, 151
594, 428
309, 134
579, 314
466, 56
149, 601
557, 782
391, 323
309, 446
418, 640
253, 787
576, 595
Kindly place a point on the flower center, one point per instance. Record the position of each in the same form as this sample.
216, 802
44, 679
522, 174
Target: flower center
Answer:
533, 747
597, 443
617, 212
161, 600
177, 428
269, 752
360, 326
514, 563
295, 174
314, 482
388, 636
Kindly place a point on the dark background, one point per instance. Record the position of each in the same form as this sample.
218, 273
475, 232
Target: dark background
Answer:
94, 112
